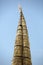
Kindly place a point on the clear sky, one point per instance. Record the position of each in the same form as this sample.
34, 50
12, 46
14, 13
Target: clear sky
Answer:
9, 17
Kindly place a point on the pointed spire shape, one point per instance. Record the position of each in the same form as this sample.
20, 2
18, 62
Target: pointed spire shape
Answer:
22, 55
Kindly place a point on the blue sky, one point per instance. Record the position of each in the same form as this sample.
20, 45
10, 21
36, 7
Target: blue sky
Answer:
9, 17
